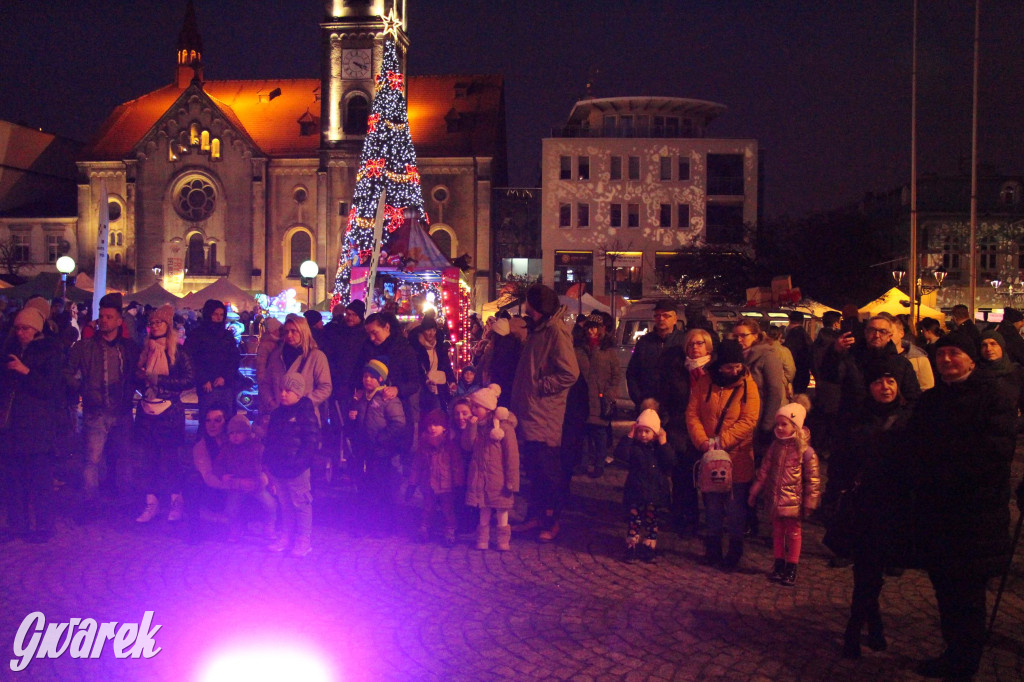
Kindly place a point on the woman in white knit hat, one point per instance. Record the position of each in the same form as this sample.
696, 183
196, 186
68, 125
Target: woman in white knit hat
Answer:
493, 476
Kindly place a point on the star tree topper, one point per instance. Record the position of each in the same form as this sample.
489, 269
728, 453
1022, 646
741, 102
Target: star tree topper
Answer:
391, 24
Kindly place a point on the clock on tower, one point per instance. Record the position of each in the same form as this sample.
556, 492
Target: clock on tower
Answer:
356, 64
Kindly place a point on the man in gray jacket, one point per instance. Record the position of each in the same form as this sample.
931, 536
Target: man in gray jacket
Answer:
101, 369
546, 371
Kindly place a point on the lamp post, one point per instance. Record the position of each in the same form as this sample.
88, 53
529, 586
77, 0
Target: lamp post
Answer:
308, 270
65, 266
923, 286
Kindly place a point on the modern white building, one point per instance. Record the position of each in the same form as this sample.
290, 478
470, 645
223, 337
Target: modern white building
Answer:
629, 181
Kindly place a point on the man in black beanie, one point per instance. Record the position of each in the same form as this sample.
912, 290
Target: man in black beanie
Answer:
547, 370
215, 357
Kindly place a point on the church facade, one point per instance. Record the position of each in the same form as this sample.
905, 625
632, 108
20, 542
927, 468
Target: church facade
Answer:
246, 179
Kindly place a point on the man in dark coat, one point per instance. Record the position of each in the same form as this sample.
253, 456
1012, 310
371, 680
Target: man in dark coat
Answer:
1010, 328
100, 369
844, 364
822, 419
215, 357
962, 322
342, 339
643, 374
798, 341
963, 437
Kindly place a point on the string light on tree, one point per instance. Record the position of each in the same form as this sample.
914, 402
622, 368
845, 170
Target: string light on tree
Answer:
387, 163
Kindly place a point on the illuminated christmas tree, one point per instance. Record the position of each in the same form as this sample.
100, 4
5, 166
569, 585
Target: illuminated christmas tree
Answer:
388, 163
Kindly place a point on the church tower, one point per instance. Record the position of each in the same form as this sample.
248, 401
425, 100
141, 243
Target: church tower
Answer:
190, 50
352, 36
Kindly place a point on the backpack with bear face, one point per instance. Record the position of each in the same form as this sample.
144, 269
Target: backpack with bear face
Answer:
713, 473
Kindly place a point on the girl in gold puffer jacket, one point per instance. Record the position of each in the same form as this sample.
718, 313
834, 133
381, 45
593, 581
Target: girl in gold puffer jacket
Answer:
789, 475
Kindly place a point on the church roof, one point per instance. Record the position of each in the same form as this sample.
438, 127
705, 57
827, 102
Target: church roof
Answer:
448, 115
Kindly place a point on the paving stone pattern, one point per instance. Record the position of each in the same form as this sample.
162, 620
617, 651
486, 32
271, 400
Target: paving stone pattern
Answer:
389, 608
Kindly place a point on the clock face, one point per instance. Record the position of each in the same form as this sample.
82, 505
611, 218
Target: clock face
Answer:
356, 63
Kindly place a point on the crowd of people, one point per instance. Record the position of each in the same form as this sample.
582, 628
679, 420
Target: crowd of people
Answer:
905, 453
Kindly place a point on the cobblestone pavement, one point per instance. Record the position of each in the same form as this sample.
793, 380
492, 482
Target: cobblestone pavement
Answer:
389, 608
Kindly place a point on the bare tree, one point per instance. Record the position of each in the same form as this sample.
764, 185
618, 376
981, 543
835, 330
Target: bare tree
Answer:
11, 256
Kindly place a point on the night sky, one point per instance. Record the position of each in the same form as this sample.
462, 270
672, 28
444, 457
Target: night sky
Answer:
825, 89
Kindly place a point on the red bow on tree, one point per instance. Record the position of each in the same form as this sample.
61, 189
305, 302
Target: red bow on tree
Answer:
395, 80
371, 123
413, 174
374, 167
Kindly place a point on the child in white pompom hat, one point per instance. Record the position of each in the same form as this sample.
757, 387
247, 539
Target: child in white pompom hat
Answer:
493, 476
650, 458
789, 477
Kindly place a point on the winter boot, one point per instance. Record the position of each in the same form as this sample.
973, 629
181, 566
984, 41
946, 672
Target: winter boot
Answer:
302, 548
733, 556
712, 551
776, 573
648, 554
630, 555
483, 536
502, 536
281, 544
150, 512
788, 575
851, 638
876, 633
177, 508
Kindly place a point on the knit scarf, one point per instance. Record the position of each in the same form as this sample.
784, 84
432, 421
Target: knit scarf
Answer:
154, 357
431, 352
697, 363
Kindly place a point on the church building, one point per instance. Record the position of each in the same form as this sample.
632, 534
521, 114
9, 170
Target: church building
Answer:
246, 179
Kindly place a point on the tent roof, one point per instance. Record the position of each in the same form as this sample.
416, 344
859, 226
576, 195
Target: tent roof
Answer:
47, 285
589, 304
154, 295
895, 302
221, 290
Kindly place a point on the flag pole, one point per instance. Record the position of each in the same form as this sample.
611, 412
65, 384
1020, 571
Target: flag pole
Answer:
378, 235
100, 270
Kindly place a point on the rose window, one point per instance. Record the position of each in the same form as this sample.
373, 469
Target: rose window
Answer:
195, 200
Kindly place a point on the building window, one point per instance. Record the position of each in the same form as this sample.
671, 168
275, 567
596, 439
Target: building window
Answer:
299, 194
684, 216
204, 141
215, 149
951, 249
724, 224
565, 215
113, 211
21, 244
300, 247
565, 168
1009, 194
665, 215
665, 170
615, 215
626, 123
634, 168
573, 267
583, 168
684, 168
672, 126
616, 168
52, 248
623, 274
633, 215
195, 200
582, 215
987, 254
356, 112
608, 124
443, 240
195, 256
725, 174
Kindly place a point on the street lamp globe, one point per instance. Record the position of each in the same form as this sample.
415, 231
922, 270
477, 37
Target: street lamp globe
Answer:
65, 265
309, 269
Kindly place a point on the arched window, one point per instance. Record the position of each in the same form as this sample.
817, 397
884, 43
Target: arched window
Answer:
300, 248
356, 112
215, 148
195, 257
204, 140
120, 239
443, 241
193, 134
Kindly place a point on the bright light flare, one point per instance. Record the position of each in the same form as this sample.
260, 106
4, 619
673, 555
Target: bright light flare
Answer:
268, 662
